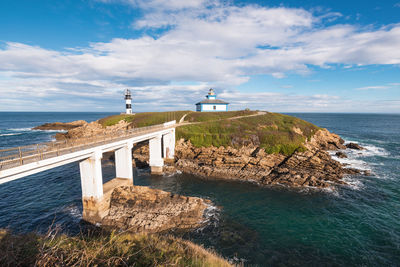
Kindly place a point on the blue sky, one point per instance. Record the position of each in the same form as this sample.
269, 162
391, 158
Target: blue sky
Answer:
283, 56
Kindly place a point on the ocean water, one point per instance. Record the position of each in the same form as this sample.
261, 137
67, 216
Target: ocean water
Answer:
357, 224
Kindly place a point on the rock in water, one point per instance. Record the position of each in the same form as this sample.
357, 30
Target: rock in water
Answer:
341, 155
89, 130
142, 209
354, 146
60, 125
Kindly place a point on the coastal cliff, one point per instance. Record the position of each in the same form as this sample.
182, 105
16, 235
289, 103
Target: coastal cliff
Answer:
313, 167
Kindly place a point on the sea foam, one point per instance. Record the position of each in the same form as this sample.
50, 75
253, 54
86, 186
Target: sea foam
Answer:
20, 129
355, 157
10, 134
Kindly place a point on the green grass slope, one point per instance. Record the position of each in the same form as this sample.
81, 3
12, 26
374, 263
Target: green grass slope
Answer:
276, 133
213, 116
152, 118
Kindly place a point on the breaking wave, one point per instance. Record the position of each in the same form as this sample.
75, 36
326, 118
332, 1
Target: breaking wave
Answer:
20, 129
10, 134
74, 212
355, 158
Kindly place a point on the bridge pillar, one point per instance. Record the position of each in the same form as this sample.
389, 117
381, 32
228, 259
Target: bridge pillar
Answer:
91, 176
123, 162
169, 145
156, 161
92, 185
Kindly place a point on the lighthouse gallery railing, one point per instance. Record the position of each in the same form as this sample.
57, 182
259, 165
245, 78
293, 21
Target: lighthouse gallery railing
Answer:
13, 157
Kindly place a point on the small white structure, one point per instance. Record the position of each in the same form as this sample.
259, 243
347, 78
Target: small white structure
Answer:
128, 101
211, 103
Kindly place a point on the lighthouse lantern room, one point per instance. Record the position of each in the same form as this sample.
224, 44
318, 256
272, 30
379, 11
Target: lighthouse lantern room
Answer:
128, 101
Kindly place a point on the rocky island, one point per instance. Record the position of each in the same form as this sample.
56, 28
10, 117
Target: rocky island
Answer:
261, 147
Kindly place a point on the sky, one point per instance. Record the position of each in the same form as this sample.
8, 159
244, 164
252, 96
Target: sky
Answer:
280, 56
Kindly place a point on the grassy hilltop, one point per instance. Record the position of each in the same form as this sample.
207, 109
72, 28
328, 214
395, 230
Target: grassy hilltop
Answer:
276, 133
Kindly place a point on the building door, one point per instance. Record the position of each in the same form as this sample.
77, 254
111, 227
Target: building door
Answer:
215, 107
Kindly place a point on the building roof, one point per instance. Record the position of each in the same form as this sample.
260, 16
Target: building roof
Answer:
212, 101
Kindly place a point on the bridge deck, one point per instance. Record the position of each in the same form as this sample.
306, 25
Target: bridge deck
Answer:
18, 156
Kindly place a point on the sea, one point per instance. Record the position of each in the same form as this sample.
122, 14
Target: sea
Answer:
351, 225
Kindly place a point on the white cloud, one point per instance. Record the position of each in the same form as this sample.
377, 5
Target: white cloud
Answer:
206, 42
378, 87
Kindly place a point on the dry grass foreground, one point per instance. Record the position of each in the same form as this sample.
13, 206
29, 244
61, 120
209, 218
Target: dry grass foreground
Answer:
102, 249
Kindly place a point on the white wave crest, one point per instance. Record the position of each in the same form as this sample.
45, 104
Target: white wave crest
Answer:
352, 162
368, 151
51, 131
20, 129
371, 150
10, 134
353, 183
355, 157
210, 217
74, 212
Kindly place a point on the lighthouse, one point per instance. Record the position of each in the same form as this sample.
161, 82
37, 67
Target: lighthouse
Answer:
128, 101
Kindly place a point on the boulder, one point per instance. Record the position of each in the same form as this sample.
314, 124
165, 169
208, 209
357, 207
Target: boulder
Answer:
325, 140
341, 155
354, 146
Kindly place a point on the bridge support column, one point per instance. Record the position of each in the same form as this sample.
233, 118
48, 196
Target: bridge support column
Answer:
156, 161
169, 145
92, 185
123, 162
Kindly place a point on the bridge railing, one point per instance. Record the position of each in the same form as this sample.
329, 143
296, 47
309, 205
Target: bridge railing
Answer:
13, 157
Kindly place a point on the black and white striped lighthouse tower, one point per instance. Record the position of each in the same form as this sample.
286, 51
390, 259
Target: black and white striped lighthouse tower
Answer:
128, 101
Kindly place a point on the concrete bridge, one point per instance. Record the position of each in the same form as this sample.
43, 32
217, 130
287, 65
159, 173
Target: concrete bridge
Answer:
19, 162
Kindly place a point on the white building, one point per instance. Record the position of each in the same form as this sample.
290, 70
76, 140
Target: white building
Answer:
211, 103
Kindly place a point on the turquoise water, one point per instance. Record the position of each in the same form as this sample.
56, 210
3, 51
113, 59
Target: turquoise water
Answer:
352, 225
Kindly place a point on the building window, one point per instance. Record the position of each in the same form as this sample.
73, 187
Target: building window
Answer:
215, 107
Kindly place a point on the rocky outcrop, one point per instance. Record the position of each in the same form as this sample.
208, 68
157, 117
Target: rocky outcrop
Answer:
60, 126
93, 129
313, 167
354, 146
141, 209
325, 140
341, 155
